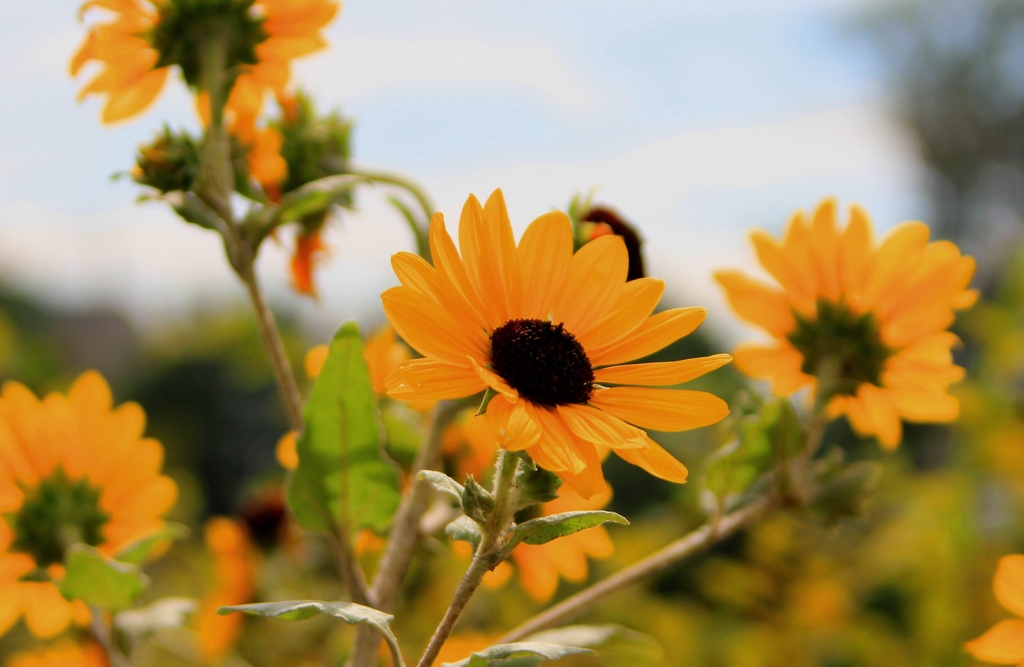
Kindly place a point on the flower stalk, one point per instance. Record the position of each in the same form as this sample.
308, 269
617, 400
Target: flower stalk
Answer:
488, 554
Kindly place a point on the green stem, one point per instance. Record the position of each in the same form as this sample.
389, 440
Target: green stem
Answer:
488, 555
387, 178
104, 637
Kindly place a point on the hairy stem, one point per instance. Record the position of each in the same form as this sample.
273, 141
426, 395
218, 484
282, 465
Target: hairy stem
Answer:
488, 554
101, 633
405, 533
686, 546
271, 336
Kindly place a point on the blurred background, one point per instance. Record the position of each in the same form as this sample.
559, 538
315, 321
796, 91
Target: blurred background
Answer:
696, 120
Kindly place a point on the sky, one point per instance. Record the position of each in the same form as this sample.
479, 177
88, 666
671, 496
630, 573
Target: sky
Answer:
696, 119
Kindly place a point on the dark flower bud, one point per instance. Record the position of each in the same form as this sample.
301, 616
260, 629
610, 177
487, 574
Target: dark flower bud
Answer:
607, 221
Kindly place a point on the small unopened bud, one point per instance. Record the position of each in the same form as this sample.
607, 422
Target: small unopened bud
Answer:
477, 502
537, 486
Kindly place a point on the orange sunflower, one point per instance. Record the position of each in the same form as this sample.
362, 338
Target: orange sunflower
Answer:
866, 324
234, 570
1003, 644
65, 653
472, 445
139, 43
548, 330
71, 468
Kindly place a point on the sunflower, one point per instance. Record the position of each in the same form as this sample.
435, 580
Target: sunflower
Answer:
72, 468
471, 445
547, 330
234, 572
65, 653
143, 39
1003, 644
863, 325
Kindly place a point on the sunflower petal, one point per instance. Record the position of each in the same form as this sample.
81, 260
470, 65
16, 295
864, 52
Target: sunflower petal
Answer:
1008, 583
597, 273
545, 253
427, 379
655, 333
495, 382
599, 427
655, 460
433, 331
661, 373
757, 303
661, 409
1003, 644
514, 423
636, 302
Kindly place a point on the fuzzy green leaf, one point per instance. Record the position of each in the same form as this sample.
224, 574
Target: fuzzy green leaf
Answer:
524, 654
101, 581
443, 483
547, 528
297, 610
464, 529
342, 475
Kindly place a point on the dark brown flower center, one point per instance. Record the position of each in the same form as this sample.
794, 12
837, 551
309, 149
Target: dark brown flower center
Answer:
846, 346
542, 361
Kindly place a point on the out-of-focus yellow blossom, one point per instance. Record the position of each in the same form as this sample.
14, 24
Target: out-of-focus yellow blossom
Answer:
64, 653
869, 321
1003, 644
547, 329
71, 467
142, 39
234, 575
461, 646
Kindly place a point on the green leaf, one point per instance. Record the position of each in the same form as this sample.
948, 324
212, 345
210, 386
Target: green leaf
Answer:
342, 474
464, 529
628, 646
524, 653
140, 550
101, 581
546, 528
297, 610
403, 432
443, 483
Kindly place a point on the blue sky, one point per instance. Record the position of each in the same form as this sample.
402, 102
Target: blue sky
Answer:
697, 119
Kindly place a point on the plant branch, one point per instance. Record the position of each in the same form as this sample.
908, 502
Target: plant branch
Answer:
387, 178
405, 532
101, 633
488, 554
351, 573
686, 546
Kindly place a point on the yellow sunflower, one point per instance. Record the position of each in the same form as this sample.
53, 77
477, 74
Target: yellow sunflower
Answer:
65, 653
234, 571
472, 445
548, 330
72, 468
865, 323
1003, 643
142, 39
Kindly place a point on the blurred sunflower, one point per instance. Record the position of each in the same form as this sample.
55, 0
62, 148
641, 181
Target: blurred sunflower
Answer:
65, 653
234, 572
72, 469
546, 330
866, 325
1003, 644
137, 46
470, 444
